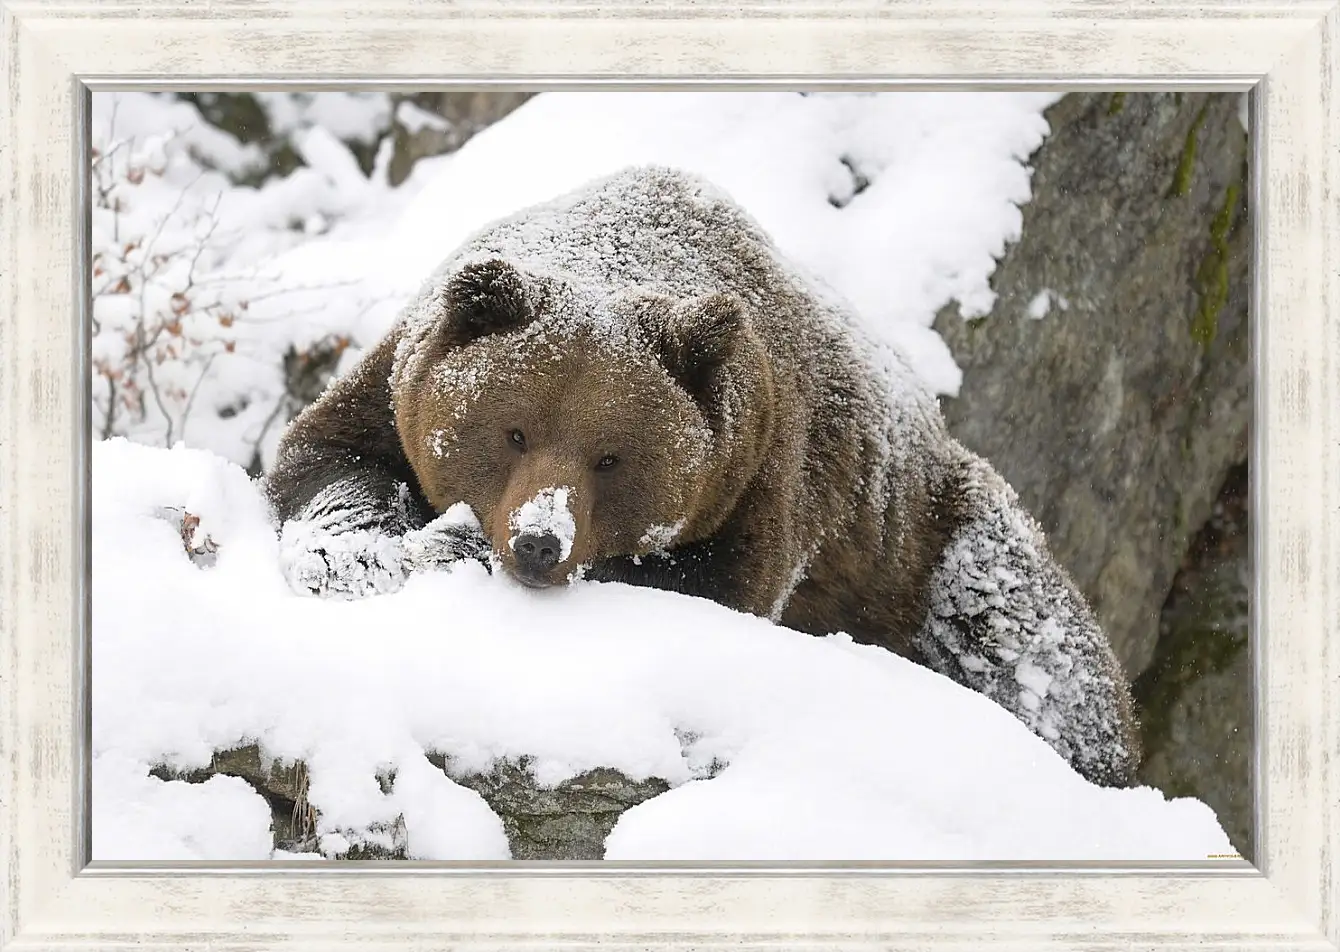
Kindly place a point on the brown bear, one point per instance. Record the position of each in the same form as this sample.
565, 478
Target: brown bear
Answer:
631, 384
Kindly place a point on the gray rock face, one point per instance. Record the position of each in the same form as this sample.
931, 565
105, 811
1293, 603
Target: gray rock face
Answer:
1195, 698
1117, 414
463, 114
569, 821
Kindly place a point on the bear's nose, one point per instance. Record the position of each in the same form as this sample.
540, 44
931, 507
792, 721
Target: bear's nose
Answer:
536, 554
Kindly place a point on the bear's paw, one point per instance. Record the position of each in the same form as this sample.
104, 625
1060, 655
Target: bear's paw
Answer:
452, 537
352, 564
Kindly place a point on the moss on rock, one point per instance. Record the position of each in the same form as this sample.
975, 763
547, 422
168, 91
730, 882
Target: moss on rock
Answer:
1212, 278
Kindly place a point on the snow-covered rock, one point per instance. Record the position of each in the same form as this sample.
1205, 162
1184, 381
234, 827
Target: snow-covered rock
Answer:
775, 744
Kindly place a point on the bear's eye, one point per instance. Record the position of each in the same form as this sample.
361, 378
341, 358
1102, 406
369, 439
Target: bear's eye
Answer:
607, 462
517, 439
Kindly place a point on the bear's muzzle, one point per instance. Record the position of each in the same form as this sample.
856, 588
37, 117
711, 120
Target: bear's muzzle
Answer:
540, 535
535, 558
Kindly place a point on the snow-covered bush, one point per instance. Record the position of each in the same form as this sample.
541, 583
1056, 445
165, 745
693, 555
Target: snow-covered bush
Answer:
180, 256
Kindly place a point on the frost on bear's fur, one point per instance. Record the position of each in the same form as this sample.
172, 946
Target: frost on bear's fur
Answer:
339, 547
1006, 621
803, 473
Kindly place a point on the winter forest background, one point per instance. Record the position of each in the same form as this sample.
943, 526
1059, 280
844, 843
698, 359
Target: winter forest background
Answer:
1069, 273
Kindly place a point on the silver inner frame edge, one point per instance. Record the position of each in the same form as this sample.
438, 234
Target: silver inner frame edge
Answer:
82, 814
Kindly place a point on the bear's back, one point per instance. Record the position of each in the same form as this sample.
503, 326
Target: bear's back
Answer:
653, 228
667, 231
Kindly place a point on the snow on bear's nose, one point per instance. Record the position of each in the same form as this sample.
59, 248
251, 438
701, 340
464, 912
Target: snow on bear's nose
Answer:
542, 532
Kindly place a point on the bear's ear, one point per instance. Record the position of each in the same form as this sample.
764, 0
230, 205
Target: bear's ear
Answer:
486, 298
696, 337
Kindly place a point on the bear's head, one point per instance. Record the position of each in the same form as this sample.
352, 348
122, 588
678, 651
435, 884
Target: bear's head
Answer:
582, 426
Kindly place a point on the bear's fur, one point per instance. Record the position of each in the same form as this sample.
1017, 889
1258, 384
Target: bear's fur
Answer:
721, 427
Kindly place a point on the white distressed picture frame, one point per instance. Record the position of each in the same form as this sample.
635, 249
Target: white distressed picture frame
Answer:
1287, 51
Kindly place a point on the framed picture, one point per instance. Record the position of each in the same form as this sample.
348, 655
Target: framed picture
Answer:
670, 477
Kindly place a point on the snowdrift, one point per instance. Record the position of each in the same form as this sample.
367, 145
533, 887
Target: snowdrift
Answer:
899, 202
776, 745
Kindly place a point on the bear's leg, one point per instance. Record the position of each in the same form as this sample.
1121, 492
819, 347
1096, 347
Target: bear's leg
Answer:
1006, 621
362, 535
353, 521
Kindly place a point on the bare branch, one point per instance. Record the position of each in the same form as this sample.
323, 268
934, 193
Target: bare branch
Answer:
190, 401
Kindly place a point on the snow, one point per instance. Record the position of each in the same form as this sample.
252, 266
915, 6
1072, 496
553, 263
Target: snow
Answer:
415, 120
327, 155
546, 514
317, 256
659, 537
139, 817
1041, 305
311, 554
349, 116
832, 750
